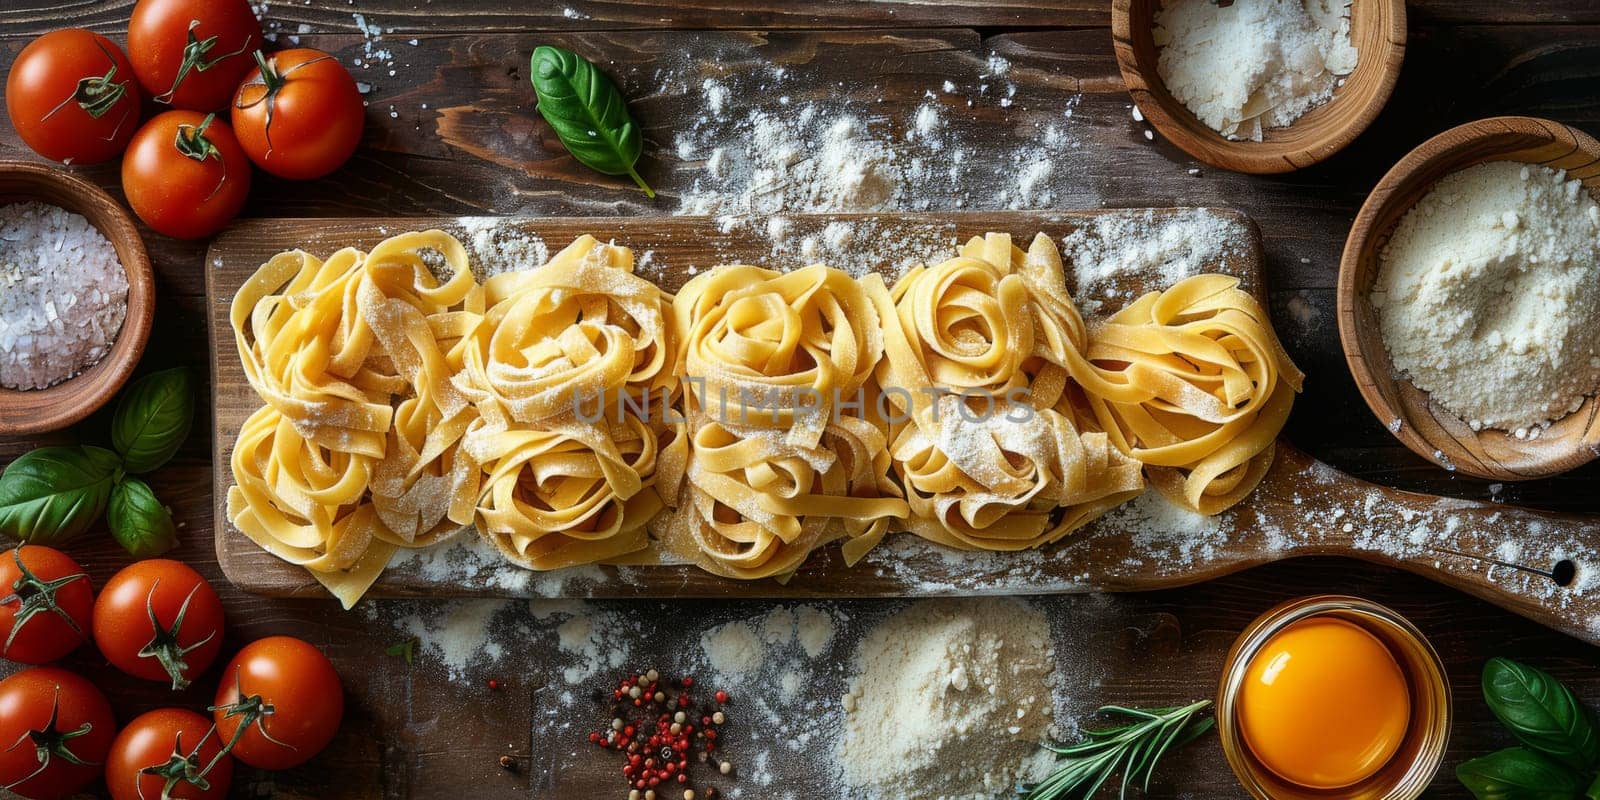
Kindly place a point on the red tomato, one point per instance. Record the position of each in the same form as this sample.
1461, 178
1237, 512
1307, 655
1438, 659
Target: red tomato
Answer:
158, 619
56, 728
192, 53
286, 696
46, 613
299, 114
72, 97
185, 174
169, 753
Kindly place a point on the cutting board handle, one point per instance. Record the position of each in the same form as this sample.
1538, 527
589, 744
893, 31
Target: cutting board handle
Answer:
1542, 565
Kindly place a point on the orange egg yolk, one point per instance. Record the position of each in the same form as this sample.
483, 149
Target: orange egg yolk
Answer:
1324, 704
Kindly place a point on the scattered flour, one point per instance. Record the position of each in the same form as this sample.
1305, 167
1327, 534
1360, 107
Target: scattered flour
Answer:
496, 247
779, 157
954, 696
1253, 64
596, 636
459, 634
734, 649
1488, 295
1118, 245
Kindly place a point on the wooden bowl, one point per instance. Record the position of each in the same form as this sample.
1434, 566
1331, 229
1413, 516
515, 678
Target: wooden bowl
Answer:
1378, 30
1432, 432
40, 410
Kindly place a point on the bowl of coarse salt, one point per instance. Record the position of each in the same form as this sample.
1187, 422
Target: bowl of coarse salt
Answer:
1259, 86
1469, 299
76, 298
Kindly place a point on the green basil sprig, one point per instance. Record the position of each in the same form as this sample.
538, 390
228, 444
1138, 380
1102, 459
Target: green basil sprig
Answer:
138, 521
587, 113
152, 419
52, 494
1560, 754
1541, 713
1518, 774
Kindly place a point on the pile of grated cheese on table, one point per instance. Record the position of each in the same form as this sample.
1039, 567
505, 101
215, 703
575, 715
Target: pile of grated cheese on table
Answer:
63, 295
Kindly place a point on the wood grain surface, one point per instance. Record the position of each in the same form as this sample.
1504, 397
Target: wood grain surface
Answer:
478, 148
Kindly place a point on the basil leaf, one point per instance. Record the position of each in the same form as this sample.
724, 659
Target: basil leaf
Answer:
587, 112
52, 494
1541, 713
1518, 774
153, 418
138, 521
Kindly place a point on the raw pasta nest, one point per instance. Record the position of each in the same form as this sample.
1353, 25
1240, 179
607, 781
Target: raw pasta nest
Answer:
356, 452
782, 459
977, 350
1193, 382
573, 378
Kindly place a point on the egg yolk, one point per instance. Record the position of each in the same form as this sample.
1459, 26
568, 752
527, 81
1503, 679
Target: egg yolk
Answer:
1324, 704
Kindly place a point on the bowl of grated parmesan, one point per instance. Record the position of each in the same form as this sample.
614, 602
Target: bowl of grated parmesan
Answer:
1259, 86
76, 298
1469, 299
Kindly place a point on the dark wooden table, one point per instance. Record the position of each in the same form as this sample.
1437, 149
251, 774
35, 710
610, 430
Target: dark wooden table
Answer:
462, 138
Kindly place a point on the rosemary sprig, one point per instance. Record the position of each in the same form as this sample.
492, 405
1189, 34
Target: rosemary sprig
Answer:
1132, 749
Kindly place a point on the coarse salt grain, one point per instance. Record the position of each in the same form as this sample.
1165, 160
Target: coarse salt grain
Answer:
63, 295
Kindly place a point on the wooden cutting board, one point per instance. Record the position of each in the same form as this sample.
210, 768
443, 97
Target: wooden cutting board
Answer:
1545, 566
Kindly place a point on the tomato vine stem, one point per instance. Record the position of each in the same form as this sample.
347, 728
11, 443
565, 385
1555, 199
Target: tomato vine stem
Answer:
49, 743
164, 646
35, 597
194, 59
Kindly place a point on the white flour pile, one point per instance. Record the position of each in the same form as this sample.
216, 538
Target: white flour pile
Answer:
1488, 295
63, 295
496, 247
1117, 250
803, 160
1256, 63
952, 697
765, 158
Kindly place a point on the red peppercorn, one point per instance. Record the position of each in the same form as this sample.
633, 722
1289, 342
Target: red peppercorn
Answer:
493, 684
688, 680
722, 697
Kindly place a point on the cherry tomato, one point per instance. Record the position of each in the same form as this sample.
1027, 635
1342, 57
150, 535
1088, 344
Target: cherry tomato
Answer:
286, 696
185, 174
72, 97
299, 114
192, 53
56, 728
158, 619
46, 613
169, 753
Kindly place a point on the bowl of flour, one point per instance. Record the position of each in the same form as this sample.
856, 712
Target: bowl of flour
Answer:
1469, 299
1259, 86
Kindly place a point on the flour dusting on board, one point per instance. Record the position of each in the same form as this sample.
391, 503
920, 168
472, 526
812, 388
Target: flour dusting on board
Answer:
1143, 248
